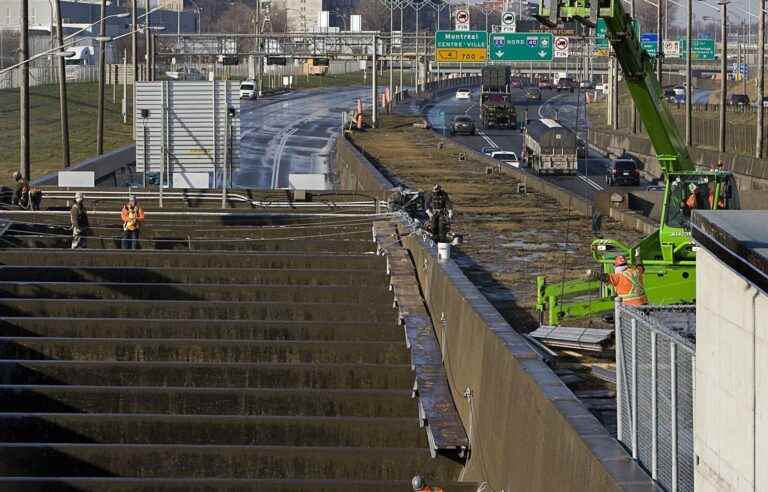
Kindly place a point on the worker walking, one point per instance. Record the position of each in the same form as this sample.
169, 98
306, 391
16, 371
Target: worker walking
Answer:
419, 485
440, 212
626, 280
132, 215
78, 215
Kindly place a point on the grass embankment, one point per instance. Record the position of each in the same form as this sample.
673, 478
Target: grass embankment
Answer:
509, 238
45, 134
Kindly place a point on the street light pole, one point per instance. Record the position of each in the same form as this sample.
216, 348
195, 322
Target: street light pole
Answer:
259, 59
760, 79
24, 91
102, 74
147, 41
723, 71
688, 79
633, 109
374, 83
659, 40
63, 109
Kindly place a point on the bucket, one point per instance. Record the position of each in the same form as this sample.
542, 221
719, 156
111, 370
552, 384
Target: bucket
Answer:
443, 251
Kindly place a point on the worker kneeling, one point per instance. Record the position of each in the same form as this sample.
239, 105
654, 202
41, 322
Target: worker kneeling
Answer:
132, 215
626, 280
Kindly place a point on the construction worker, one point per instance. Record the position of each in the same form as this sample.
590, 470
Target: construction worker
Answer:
419, 485
440, 212
132, 215
23, 195
626, 280
79, 217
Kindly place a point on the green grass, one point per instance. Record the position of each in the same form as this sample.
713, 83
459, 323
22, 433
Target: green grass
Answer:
45, 134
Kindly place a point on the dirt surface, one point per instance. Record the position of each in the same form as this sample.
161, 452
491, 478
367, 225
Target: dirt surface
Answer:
509, 238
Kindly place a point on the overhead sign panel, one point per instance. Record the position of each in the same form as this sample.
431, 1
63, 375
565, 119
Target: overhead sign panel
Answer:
461, 46
561, 47
520, 46
462, 20
701, 49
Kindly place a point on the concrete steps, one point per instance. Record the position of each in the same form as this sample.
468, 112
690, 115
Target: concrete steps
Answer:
208, 370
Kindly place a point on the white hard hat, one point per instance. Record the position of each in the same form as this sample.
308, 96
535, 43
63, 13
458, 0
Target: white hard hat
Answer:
79, 195
417, 482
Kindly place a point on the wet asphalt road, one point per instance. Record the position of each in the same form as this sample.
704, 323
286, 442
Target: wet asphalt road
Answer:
592, 172
291, 133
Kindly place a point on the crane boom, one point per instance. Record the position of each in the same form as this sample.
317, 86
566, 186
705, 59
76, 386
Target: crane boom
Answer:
638, 68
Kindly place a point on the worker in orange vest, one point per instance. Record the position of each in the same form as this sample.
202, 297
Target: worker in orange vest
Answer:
132, 215
419, 485
626, 280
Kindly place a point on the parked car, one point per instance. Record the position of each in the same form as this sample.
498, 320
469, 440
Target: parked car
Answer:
463, 124
586, 84
248, 89
669, 95
739, 100
506, 157
544, 84
533, 94
623, 172
463, 94
565, 84
679, 90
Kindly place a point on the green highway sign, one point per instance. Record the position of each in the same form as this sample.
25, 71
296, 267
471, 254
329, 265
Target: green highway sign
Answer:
600, 31
701, 49
520, 46
462, 46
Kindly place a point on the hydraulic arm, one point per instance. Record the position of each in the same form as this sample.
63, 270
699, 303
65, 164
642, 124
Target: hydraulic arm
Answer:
667, 254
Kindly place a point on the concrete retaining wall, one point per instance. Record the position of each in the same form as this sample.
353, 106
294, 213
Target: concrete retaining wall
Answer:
527, 429
354, 171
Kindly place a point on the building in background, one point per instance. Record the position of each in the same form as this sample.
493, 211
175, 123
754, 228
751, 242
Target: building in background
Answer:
304, 15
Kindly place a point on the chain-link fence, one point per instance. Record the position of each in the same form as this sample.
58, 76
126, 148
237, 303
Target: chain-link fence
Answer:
655, 356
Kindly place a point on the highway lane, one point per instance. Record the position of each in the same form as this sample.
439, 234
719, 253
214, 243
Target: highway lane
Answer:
565, 106
290, 134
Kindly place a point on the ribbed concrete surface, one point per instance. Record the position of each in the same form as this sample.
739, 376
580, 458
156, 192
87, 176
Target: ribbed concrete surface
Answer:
187, 370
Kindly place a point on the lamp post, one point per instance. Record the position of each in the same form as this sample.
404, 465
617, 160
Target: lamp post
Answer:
760, 79
63, 109
102, 73
723, 71
688, 79
24, 91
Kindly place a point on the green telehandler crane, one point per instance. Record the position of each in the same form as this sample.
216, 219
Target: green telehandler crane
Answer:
668, 254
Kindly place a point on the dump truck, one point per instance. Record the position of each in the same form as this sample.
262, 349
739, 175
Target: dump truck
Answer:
496, 108
550, 148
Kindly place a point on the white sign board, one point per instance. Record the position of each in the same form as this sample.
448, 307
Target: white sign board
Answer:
356, 23
462, 20
324, 21
561, 47
508, 22
307, 181
199, 181
77, 179
671, 49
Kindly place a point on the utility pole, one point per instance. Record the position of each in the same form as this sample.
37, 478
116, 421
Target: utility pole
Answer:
688, 79
259, 59
147, 40
24, 90
134, 39
723, 71
633, 109
760, 79
102, 73
659, 40
402, 41
63, 110
374, 83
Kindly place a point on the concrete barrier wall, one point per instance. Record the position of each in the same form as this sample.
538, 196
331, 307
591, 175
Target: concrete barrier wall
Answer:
114, 168
355, 171
751, 173
527, 429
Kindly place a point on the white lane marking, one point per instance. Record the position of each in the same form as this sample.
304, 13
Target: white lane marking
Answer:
488, 139
547, 103
279, 156
590, 182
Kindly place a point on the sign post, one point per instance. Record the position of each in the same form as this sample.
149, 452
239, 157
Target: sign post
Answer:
461, 46
520, 46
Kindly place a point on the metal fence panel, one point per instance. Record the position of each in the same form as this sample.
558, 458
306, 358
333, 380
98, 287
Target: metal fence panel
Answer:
655, 362
190, 127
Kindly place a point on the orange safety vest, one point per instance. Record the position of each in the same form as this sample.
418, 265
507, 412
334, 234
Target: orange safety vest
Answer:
629, 286
431, 489
131, 217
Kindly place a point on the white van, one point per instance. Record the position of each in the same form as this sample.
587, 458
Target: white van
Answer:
248, 89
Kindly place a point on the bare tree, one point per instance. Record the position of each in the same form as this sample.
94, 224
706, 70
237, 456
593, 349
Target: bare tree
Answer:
238, 18
375, 15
